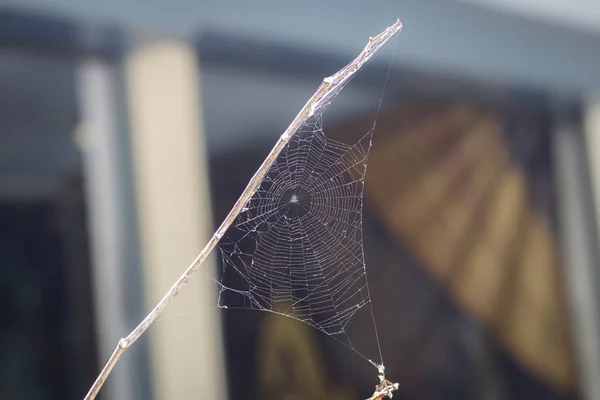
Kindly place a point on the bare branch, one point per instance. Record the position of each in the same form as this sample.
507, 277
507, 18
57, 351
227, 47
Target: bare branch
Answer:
328, 88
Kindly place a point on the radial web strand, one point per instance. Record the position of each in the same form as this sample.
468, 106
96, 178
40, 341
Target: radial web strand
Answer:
297, 247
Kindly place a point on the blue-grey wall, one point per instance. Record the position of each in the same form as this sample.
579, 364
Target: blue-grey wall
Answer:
438, 34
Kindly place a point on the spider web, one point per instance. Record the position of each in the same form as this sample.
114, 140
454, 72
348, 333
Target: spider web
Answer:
297, 248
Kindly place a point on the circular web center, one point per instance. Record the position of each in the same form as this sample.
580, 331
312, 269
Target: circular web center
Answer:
297, 202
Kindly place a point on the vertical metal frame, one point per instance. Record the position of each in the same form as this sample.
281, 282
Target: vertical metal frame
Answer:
172, 193
579, 245
100, 142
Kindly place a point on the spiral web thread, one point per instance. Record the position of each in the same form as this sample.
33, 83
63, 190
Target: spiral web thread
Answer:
297, 247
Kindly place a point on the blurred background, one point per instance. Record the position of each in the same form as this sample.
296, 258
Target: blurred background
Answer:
128, 129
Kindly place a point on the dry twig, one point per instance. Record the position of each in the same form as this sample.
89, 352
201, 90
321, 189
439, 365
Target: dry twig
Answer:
326, 91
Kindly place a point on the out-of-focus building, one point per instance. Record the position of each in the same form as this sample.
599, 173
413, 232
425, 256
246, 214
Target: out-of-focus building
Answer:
128, 128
